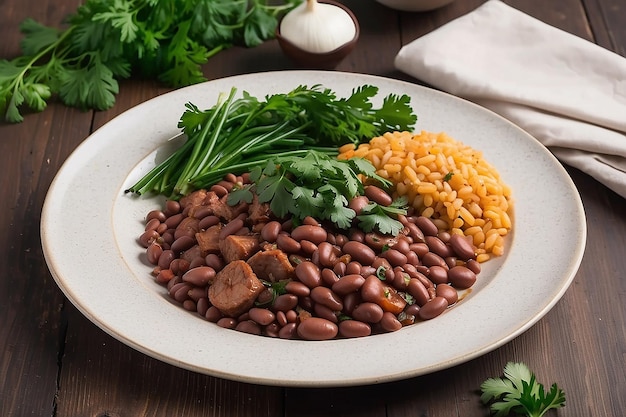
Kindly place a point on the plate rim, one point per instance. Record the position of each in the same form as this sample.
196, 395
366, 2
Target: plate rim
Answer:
48, 243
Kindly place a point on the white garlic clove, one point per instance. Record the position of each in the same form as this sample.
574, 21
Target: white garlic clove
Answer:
318, 27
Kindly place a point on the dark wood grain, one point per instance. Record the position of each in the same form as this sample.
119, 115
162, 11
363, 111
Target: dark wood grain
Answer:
54, 362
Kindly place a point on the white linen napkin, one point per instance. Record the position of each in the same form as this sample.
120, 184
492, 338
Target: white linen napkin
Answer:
565, 91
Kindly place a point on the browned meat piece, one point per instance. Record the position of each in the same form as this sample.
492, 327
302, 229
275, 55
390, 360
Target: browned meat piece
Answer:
187, 227
193, 199
236, 247
209, 240
221, 209
271, 265
258, 212
235, 289
192, 253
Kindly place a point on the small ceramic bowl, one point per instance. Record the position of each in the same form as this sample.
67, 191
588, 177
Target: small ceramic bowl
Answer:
415, 5
312, 60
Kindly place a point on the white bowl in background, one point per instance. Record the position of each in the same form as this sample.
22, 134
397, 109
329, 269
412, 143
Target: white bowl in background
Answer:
415, 5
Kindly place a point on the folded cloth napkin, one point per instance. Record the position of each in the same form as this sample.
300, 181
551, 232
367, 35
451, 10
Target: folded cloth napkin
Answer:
567, 92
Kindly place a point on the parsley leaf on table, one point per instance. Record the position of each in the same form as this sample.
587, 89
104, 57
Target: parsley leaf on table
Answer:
519, 392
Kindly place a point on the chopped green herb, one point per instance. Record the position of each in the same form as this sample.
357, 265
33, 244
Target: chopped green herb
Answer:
448, 176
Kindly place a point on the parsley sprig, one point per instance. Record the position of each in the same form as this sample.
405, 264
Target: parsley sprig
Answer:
519, 392
105, 41
238, 134
320, 186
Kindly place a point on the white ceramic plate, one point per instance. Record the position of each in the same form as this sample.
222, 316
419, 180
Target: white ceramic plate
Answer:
89, 230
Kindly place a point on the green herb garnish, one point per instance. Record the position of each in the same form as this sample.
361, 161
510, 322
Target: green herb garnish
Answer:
519, 392
239, 134
319, 186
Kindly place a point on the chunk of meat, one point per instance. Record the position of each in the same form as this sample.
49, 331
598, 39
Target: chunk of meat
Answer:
258, 212
193, 199
235, 289
236, 247
192, 253
271, 265
209, 239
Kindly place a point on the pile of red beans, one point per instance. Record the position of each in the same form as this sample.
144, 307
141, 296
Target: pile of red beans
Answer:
345, 283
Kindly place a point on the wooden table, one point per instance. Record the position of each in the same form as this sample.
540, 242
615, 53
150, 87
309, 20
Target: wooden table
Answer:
55, 362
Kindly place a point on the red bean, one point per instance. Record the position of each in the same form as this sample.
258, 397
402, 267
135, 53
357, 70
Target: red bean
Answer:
182, 244
248, 326
231, 228
202, 306
270, 231
368, 312
173, 221
148, 237
326, 255
415, 233
360, 252
325, 296
288, 331
285, 302
447, 292
418, 291
156, 214
432, 259
172, 207
227, 322
219, 190
315, 234
154, 252
329, 277
200, 276
348, 283
378, 195
287, 243
261, 316
433, 308
354, 328
297, 288
357, 203
324, 312
463, 248
427, 226
308, 247
164, 276
214, 261
461, 277
420, 249
438, 274
316, 328
208, 221
437, 246
390, 322
152, 224
474, 266
213, 314
309, 274
395, 257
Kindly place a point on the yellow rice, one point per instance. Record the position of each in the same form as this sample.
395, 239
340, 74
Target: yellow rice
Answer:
445, 180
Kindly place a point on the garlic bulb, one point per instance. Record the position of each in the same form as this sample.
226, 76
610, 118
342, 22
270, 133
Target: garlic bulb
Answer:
318, 27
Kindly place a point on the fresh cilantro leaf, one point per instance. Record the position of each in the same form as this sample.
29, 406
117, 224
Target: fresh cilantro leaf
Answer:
237, 195
382, 218
36, 36
519, 392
